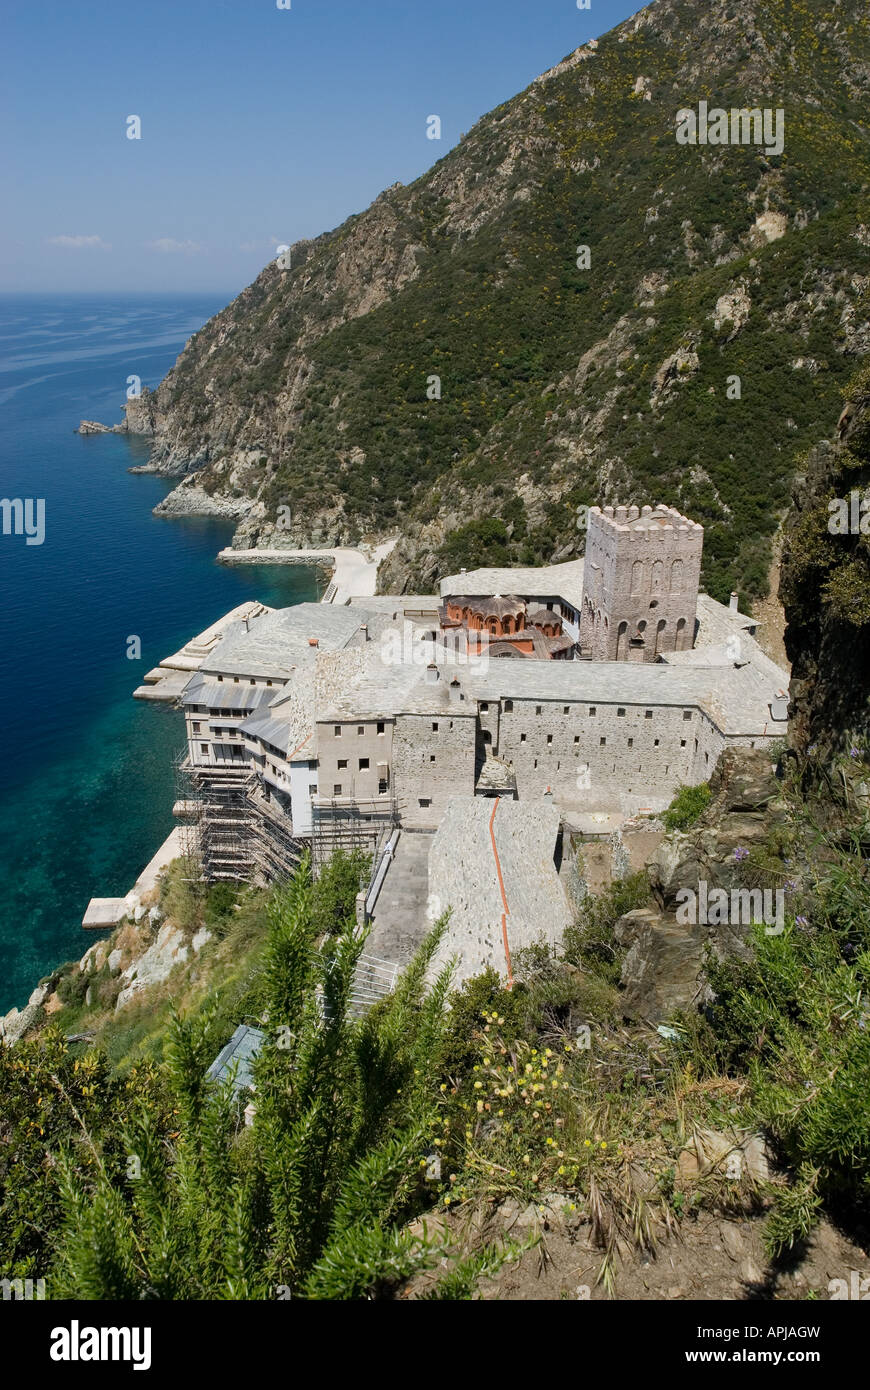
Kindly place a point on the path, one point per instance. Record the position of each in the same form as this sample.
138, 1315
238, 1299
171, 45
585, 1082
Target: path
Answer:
354, 572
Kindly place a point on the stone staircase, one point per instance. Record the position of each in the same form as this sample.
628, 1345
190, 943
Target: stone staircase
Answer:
399, 918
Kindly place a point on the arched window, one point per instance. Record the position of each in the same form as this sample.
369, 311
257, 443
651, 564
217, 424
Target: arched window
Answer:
660, 631
621, 641
681, 634
676, 576
657, 576
637, 577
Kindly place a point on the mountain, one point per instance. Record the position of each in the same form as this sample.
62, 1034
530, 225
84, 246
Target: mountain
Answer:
560, 385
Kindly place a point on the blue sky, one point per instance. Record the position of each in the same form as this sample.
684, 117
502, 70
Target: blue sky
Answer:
259, 124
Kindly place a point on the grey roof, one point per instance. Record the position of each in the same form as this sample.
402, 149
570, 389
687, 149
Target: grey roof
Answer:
541, 581
275, 643
716, 622
386, 688
240, 1052
224, 695
737, 698
278, 732
397, 603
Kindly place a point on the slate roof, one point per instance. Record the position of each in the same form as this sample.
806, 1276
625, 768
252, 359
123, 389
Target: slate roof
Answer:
275, 644
539, 581
240, 1051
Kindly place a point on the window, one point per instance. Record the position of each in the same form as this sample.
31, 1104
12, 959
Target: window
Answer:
549, 739
602, 743
220, 678
380, 727
253, 682
435, 727
566, 709
508, 706
360, 728
592, 710
647, 714
537, 709
235, 680
424, 801
203, 748
656, 743
687, 714
631, 743
337, 731
576, 738
312, 788
268, 682
431, 757
522, 738
382, 787
196, 728
682, 743
484, 705
336, 789
342, 763
620, 714
363, 764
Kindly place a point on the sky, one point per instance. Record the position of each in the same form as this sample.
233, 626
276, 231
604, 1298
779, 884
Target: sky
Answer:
259, 125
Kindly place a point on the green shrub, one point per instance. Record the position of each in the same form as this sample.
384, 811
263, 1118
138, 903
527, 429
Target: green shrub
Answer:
687, 807
588, 942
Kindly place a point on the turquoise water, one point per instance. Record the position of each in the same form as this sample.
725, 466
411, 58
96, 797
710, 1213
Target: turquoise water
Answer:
86, 775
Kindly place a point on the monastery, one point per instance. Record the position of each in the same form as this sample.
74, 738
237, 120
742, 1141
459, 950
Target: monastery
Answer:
584, 693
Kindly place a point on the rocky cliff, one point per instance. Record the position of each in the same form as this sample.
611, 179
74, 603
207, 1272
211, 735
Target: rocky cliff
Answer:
453, 354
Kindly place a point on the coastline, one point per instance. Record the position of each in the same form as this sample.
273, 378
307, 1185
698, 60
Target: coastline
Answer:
354, 573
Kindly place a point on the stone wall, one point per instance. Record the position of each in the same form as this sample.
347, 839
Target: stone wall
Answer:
432, 764
594, 757
641, 575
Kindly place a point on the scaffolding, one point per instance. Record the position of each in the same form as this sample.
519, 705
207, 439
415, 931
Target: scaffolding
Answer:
232, 828
351, 825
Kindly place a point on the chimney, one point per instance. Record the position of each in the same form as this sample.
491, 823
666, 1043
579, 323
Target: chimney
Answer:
733, 602
433, 675
314, 641
365, 632
779, 705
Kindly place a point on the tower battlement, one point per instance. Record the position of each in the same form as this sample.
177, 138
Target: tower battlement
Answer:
640, 583
646, 523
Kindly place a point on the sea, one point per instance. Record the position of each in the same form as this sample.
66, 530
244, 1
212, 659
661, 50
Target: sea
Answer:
86, 771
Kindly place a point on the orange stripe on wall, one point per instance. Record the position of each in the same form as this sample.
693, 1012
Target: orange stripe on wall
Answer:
506, 913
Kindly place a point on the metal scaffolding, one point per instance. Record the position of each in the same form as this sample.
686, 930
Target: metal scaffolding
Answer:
349, 825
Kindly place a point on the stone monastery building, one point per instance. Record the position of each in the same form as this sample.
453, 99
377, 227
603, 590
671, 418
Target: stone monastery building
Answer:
593, 687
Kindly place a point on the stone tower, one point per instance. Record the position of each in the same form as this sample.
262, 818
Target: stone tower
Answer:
640, 583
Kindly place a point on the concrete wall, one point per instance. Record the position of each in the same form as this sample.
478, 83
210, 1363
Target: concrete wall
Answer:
341, 749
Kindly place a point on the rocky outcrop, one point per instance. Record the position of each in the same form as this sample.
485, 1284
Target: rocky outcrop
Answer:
825, 591
663, 970
171, 947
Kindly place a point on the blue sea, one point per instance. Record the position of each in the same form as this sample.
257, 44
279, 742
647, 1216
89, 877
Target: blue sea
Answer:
86, 772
